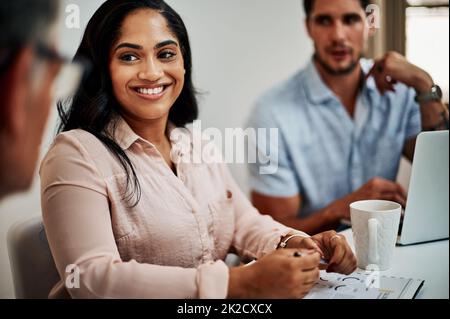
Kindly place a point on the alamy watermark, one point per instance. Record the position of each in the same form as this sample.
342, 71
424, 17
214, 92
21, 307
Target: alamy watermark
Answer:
373, 277
72, 18
234, 145
72, 276
373, 19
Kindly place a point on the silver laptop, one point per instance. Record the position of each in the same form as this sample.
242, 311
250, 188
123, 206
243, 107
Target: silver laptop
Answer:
427, 209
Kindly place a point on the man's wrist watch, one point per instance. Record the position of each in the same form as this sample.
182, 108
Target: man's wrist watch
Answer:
435, 94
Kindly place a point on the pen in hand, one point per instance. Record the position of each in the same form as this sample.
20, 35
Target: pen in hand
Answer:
323, 263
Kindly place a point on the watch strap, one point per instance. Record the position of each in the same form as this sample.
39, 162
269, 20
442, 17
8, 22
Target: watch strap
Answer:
435, 94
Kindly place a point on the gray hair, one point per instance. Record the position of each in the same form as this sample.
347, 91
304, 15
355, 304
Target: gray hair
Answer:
26, 21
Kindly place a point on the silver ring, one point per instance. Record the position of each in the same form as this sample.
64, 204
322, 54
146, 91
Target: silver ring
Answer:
335, 236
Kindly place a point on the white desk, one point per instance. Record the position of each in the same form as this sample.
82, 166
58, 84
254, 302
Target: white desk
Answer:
424, 261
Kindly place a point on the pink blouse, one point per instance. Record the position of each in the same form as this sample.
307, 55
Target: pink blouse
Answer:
171, 245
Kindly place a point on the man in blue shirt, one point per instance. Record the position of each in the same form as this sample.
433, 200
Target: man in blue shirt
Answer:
344, 123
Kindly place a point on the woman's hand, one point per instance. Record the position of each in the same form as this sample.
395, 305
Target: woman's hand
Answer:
336, 249
302, 242
277, 275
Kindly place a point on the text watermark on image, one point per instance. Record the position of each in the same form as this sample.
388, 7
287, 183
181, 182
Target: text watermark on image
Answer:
225, 309
373, 277
73, 276
233, 146
72, 19
373, 16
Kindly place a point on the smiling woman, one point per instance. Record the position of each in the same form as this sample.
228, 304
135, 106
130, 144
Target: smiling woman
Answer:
147, 74
109, 45
146, 67
169, 236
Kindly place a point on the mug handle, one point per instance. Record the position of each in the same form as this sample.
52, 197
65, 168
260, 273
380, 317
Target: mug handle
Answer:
373, 241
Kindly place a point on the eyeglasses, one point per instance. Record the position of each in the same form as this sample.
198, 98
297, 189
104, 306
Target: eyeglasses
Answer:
69, 76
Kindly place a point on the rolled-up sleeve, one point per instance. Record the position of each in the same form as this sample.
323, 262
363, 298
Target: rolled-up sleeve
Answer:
255, 234
78, 225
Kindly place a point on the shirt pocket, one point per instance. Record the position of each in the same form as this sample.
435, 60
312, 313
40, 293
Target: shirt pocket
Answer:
223, 224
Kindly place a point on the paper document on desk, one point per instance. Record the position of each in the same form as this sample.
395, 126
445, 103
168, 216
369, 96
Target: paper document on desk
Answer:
364, 285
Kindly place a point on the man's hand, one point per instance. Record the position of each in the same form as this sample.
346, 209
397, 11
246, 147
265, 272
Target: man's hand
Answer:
377, 188
337, 251
382, 189
393, 68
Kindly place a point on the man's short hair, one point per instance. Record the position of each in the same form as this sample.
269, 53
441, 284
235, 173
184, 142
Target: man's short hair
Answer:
25, 21
308, 5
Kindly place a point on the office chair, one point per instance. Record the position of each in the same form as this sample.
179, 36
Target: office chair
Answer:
33, 269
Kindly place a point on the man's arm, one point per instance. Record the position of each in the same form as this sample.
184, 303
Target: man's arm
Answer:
434, 118
285, 210
409, 148
434, 114
393, 68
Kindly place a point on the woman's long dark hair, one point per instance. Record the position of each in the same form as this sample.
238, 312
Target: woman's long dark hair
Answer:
94, 106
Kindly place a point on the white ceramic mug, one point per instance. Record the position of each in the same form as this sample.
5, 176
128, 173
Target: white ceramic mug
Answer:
375, 227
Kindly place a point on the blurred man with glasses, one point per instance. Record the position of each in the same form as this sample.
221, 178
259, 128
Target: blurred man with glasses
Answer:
29, 67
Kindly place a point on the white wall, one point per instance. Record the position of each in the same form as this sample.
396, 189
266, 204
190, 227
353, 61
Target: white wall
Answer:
240, 48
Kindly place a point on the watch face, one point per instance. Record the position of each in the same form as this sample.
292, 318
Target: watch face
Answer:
437, 90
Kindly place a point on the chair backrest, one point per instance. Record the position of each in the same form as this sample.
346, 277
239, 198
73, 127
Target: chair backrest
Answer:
32, 266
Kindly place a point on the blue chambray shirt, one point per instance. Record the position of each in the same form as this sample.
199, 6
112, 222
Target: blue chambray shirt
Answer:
321, 152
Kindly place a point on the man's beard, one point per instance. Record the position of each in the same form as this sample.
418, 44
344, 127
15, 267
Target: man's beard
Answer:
336, 72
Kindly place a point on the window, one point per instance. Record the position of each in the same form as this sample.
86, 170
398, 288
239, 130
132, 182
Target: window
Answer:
427, 38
